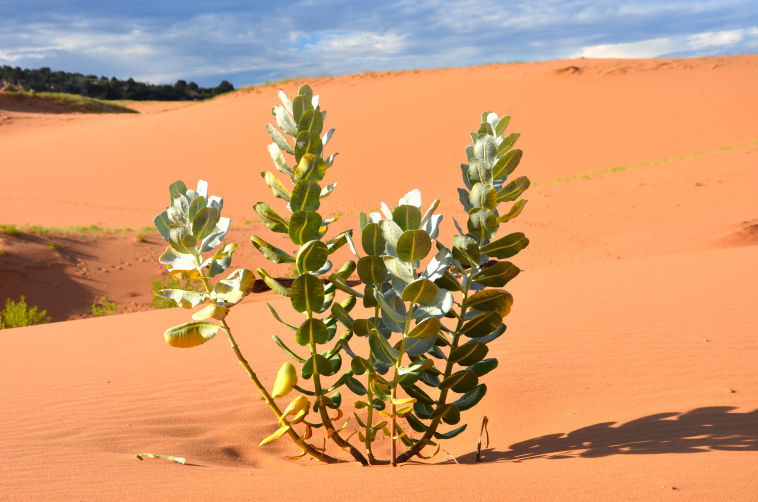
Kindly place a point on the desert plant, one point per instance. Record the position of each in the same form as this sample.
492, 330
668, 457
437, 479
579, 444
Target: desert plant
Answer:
102, 306
168, 282
409, 302
19, 314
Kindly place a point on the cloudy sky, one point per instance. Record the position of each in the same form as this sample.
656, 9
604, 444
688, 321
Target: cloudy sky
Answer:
250, 42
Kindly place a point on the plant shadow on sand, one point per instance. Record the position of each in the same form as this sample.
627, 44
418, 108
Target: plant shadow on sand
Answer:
696, 431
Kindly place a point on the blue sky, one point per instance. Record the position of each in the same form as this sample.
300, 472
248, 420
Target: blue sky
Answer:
251, 42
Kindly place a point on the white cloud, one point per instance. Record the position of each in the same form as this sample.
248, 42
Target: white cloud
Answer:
651, 48
690, 44
714, 38
360, 42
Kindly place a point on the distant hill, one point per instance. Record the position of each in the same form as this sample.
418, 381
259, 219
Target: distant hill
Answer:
44, 79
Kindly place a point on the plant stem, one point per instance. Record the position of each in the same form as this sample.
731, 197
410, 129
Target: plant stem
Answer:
396, 382
421, 443
310, 450
370, 398
322, 408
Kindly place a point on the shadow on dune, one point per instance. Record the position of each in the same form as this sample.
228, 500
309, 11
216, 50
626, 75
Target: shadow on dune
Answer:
44, 276
697, 431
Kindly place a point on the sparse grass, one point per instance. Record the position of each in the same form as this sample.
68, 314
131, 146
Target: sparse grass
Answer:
9, 230
39, 230
19, 314
102, 306
3, 251
140, 238
168, 282
74, 102
698, 184
51, 245
622, 168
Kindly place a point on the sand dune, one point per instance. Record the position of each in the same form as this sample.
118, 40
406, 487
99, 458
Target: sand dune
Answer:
628, 368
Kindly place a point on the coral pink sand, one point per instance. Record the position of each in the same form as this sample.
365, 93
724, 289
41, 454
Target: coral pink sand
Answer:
628, 371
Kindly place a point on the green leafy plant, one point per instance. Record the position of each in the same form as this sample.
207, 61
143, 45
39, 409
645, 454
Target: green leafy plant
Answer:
102, 306
168, 282
428, 311
19, 314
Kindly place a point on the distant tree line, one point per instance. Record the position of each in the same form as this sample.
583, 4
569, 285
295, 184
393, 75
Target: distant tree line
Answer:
43, 79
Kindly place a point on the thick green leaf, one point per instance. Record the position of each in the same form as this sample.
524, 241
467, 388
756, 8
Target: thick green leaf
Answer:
448, 282
362, 327
271, 252
471, 398
307, 293
176, 189
491, 300
310, 167
482, 324
508, 143
340, 284
507, 164
312, 256
381, 349
460, 381
284, 120
162, 223
359, 366
502, 125
514, 211
479, 171
413, 245
306, 91
450, 434
391, 232
280, 139
507, 246
272, 283
449, 413
483, 367
190, 334
482, 195
304, 226
419, 346
234, 288
421, 291
312, 121
321, 363
306, 196
416, 424
337, 242
312, 329
513, 190
485, 148
423, 410
196, 205
271, 219
373, 240
339, 313
355, 386
182, 240
407, 217
466, 250
482, 223
308, 142
371, 270
468, 353
278, 158
497, 275
276, 186
428, 328
399, 269
300, 105
185, 299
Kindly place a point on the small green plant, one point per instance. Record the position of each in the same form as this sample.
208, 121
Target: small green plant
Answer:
9, 230
102, 306
51, 245
19, 314
421, 338
3, 251
140, 238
